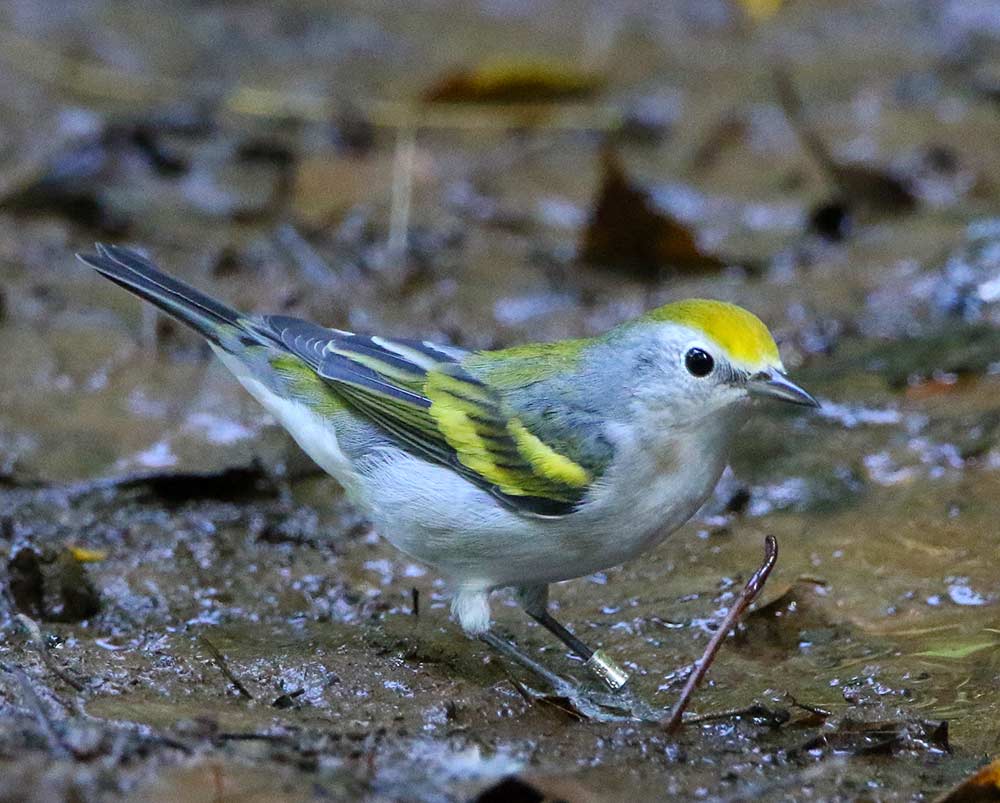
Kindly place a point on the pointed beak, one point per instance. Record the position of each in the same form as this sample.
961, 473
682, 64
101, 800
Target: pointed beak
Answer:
775, 385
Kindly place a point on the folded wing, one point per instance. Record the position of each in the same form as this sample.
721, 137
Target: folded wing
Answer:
420, 395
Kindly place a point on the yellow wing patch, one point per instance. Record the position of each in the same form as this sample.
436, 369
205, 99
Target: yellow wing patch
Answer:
546, 460
500, 449
743, 336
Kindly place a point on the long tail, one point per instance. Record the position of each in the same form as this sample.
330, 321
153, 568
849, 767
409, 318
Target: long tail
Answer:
131, 270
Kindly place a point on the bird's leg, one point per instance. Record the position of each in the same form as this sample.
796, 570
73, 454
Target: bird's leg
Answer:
472, 609
559, 685
599, 706
535, 600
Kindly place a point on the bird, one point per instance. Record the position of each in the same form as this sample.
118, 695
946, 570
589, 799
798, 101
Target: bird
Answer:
512, 468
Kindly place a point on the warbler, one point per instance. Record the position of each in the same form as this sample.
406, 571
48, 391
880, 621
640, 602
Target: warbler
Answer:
513, 468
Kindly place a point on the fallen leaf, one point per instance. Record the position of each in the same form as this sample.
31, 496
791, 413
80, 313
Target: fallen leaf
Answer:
983, 787
859, 190
787, 598
626, 228
760, 10
513, 82
957, 652
85, 555
52, 587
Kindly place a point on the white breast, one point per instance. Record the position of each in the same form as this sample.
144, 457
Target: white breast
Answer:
433, 514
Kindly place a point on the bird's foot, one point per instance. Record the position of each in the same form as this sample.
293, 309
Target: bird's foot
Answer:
590, 700
594, 702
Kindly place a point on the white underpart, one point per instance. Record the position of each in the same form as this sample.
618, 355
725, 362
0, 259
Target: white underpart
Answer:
315, 437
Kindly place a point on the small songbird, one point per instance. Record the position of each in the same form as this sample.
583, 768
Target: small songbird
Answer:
513, 468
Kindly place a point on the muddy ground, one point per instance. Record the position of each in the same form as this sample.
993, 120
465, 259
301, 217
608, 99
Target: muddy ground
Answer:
157, 531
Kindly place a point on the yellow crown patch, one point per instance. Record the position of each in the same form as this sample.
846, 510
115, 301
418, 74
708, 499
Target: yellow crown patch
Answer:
741, 334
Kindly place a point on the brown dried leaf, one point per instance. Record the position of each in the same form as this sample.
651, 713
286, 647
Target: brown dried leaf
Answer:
626, 228
52, 587
760, 10
863, 191
787, 598
513, 82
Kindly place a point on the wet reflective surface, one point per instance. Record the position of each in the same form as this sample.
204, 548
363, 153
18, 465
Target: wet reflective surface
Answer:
206, 532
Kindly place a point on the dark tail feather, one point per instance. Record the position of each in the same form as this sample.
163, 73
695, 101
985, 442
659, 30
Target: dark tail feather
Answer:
131, 270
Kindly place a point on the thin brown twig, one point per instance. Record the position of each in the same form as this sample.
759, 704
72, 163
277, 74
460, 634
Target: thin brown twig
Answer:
518, 686
35, 637
674, 719
812, 709
220, 661
755, 710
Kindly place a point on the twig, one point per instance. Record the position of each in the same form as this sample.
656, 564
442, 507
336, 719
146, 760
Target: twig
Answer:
754, 711
671, 722
274, 738
518, 686
311, 264
220, 661
35, 637
791, 105
34, 702
402, 191
815, 710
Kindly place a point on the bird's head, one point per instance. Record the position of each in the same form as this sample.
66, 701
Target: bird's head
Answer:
700, 358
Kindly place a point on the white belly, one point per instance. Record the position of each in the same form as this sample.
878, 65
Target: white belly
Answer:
436, 516
316, 438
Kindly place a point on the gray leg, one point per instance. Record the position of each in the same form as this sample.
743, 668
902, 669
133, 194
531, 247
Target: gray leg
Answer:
508, 650
535, 601
602, 707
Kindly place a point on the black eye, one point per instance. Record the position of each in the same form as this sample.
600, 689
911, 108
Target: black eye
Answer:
698, 362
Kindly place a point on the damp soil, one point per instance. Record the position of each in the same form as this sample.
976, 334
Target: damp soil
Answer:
191, 611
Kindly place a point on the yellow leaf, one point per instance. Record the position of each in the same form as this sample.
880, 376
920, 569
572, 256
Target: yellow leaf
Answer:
760, 10
959, 651
513, 82
85, 555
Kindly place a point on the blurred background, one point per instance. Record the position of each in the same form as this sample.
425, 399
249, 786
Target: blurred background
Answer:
485, 174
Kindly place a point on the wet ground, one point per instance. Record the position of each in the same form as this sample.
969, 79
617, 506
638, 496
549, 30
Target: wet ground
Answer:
191, 612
